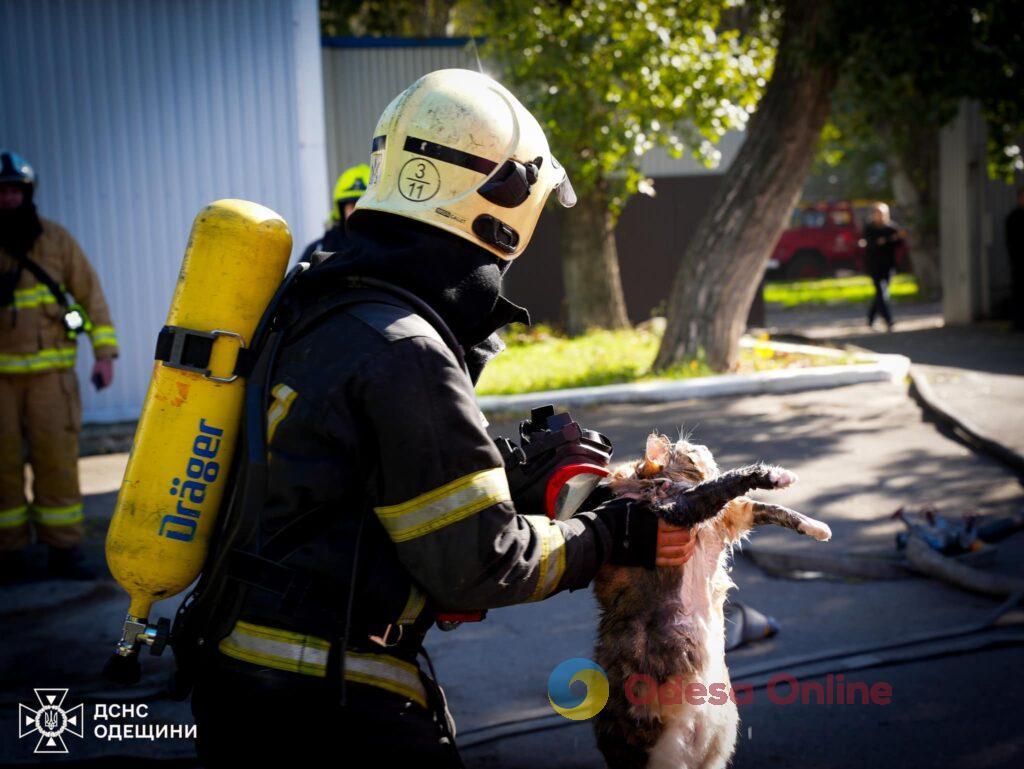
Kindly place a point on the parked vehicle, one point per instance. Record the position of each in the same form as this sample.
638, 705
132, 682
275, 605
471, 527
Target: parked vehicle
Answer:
824, 238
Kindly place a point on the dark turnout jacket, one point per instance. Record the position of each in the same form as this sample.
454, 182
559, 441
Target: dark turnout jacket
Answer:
880, 253
375, 438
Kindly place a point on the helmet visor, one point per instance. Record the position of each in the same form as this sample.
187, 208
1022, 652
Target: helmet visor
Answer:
563, 190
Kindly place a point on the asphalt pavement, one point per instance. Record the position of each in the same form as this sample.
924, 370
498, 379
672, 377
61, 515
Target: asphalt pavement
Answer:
860, 452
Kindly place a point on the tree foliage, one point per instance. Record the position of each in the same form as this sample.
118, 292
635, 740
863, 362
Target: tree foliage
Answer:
611, 80
397, 18
908, 73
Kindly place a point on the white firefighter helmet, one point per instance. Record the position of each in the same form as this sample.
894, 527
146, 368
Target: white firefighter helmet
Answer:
457, 151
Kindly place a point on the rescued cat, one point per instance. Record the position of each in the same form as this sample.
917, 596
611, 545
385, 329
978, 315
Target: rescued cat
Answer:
666, 624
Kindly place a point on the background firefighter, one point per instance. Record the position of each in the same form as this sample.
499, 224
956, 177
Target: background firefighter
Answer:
383, 500
347, 190
39, 400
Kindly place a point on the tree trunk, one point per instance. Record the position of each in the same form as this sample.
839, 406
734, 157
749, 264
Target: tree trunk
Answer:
914, 183
590, 267
722, 266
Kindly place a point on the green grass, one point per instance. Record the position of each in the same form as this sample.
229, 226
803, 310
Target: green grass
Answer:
857, 289
540, 359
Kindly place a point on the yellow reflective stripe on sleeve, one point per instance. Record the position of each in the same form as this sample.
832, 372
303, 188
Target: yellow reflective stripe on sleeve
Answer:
413, 606
278, 649
388, 673
307, 655
14, 516
552, 555
444, 505
103, 335
43, 360
67, 515
284, 397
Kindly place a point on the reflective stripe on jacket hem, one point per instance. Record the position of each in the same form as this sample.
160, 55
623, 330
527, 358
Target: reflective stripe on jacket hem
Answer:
297, 653
444, 505
43, 360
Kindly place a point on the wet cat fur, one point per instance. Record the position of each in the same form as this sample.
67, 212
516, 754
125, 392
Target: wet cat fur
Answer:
667, 623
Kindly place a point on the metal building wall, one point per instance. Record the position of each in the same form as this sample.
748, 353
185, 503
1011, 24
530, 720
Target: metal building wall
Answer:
362, 76
137, 114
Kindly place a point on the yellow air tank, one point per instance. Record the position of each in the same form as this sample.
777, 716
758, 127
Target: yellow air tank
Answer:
176, 475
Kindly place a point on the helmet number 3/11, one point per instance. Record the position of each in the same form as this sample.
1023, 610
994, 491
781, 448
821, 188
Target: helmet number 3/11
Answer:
419, 180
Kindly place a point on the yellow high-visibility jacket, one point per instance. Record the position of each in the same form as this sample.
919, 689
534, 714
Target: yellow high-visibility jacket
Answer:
32, 335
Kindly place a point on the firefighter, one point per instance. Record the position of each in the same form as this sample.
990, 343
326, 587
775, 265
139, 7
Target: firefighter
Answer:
347, 191
383, 500
40, 263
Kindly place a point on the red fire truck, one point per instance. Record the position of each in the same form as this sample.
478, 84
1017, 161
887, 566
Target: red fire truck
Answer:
824, 238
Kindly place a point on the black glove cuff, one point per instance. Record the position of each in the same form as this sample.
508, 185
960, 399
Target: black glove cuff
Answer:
633, 529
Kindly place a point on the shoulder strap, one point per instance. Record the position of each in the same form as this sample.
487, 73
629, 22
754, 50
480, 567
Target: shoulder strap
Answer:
43, 277
364, 290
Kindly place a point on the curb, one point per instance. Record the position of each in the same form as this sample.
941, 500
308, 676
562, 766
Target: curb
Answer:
885, 368
966, 432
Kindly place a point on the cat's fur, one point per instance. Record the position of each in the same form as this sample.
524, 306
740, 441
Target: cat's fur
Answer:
668, 622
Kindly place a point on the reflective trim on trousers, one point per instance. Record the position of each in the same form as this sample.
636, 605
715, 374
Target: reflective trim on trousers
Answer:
67, 515
13, 517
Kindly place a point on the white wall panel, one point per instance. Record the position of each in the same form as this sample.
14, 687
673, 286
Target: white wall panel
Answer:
137, 114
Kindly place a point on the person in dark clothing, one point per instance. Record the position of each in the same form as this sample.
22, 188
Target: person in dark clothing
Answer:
881, 240
1015, 250
347, 190
382, 501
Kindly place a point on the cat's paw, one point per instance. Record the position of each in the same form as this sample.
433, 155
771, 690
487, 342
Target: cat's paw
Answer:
780, 478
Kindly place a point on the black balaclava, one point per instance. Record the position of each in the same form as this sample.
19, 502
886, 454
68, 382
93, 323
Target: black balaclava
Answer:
19, 227
460, 281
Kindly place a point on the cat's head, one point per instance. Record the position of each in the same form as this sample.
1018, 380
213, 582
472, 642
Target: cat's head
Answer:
679, 461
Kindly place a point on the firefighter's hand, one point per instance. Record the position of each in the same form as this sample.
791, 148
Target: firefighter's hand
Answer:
640, 538
102, 373
675, 545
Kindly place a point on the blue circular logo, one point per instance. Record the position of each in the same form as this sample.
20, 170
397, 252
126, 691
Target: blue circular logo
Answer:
578, 689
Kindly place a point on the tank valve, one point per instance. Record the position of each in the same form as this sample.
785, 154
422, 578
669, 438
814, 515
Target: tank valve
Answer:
137, 632
123, 667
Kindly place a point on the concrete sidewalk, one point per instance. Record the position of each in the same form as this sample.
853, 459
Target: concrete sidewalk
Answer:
977, 370
834, 321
